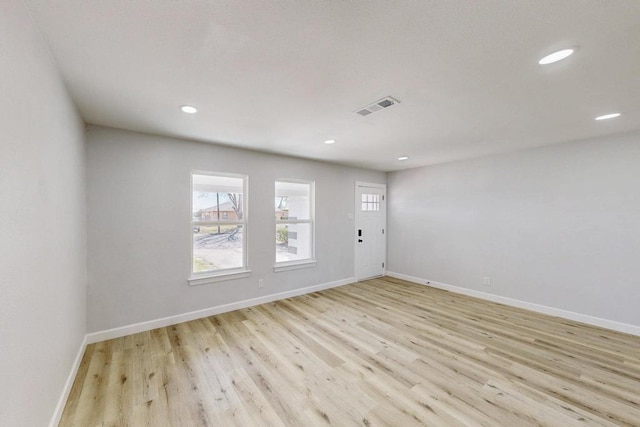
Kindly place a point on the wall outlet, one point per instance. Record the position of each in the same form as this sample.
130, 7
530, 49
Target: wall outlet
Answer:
486, 281
261, 283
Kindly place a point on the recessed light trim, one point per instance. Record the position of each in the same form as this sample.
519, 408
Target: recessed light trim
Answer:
608, 116
189, 109
403, 158
330, 141
556, 56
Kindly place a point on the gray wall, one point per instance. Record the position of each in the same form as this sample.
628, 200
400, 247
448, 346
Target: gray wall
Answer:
139, 225
557, 226
42, 225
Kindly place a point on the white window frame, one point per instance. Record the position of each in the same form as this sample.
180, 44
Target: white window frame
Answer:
307, 262
205, 277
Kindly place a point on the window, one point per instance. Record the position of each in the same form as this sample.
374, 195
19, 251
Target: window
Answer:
294, 209
219, 224
370, 202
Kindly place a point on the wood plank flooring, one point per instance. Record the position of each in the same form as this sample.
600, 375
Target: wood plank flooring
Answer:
380, 352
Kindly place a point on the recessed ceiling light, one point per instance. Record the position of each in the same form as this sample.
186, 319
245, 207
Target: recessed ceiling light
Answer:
556, 56
330, 141
403, 158
189, 109
608, 116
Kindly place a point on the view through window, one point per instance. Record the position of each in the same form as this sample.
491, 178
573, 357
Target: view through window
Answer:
294, 221
218, 222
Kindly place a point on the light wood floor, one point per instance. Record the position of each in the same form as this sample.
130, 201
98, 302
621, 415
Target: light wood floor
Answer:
381, 352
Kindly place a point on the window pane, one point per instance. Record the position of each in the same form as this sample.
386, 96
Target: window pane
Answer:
217, 198
370, 202
293, 242
209, 206
292, 200
217, 247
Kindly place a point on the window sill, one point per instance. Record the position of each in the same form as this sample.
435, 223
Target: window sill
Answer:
218, 277
294, 265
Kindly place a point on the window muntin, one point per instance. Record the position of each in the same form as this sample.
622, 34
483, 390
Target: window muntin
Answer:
218, 222
294, 204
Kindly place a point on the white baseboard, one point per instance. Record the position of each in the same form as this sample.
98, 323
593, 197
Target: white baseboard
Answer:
57, 414
211, 311
565, 314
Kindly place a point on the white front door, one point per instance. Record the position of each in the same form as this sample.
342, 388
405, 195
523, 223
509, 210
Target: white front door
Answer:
370, 233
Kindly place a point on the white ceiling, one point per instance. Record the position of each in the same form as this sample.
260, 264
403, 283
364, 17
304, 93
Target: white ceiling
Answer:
283, 76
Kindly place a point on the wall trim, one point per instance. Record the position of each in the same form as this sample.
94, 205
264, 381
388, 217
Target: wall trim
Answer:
66, 390
211, 311
565, 314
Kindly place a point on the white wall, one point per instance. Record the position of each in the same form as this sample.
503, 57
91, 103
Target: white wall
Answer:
140, 235
557, 226
42, 225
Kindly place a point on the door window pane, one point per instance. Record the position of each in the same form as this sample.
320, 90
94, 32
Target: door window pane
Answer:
370, 202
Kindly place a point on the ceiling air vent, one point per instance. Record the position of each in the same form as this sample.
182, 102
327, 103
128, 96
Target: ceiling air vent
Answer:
377, 106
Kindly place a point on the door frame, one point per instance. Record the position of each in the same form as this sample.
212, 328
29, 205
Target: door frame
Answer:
357, 206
